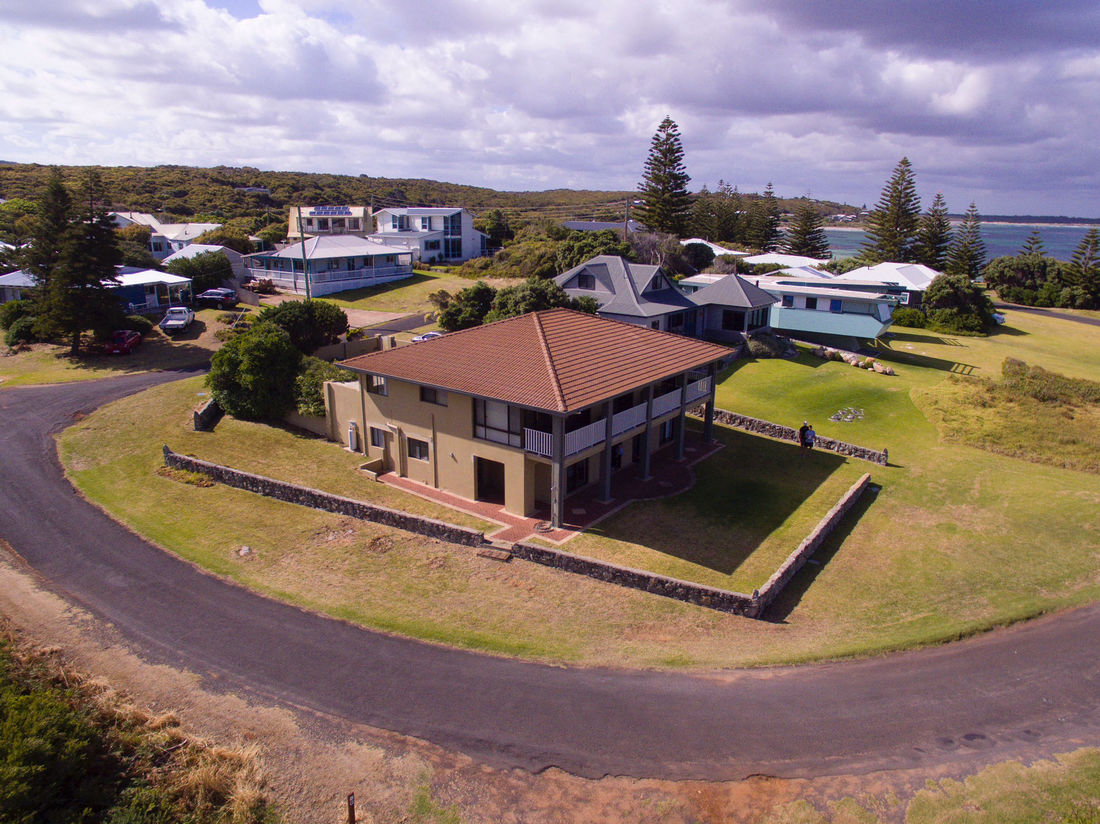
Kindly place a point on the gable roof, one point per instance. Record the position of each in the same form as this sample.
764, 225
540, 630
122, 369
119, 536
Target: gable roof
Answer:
784, 260
194, 249
733, 290
558, 360
915, 276
714, 247
331, 246
621, 288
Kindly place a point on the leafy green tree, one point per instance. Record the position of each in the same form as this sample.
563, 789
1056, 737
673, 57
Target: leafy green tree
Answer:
532, 295
666, 204
953, 303
252, 375
1029, 279
892, 227
933, 235
582, 246
309, 396
310, 324
806, 235
207, 270
1034, 244
16, 219
1084, 268
966, 255
494, 223
236, 240
272, 233
699, 255
468, 308
133, 246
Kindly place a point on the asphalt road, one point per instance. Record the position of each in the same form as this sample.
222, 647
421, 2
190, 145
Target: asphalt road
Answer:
1028, 690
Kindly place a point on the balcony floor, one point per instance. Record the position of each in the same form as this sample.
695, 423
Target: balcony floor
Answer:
582, 508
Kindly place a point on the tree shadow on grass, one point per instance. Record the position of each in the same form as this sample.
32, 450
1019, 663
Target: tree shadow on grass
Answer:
887, 353
792, 594
743, 493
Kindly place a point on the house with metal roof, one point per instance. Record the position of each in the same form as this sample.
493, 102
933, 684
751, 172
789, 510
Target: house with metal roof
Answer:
330, 263
528, 410
314, 221
635, 293
235, 258
814, 309
731, 308
165, 238
907, 280
431, 234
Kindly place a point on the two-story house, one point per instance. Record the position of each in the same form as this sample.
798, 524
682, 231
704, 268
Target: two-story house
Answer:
431, 233
316, 221
527, 410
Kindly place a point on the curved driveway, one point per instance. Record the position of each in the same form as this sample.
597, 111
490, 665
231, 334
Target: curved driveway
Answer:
1026, 690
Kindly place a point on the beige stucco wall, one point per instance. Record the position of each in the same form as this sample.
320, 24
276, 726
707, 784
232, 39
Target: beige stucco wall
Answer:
341, 407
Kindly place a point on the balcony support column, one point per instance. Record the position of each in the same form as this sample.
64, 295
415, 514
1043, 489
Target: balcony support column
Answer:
557, 472
646, 434
681, 421
605, 470
708, 417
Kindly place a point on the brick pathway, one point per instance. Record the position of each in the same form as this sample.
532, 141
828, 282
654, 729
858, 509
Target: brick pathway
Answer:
582, 509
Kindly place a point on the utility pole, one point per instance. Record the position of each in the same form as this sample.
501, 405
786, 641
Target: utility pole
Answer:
626, 220
305, 260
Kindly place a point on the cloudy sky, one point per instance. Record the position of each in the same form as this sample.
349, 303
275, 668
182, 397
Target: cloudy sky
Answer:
996, 102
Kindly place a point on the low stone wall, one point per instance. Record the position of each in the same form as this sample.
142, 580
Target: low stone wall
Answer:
304, 496
720, 599
207, 416
797, 559
787, 433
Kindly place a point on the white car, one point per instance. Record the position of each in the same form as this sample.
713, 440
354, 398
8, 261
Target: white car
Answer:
176, 319
427, 336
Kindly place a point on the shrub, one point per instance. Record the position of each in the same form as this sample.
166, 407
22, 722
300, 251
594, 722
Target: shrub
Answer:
908, 316
252, 376
309, 397
13, 310
763, 345
21, 331
139, 323
310, 323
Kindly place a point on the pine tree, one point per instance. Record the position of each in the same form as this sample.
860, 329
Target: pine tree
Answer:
704, 215
762, 222
1084, 266
934, 235
40, 256
1033, 245
892, 228
666, 204
806, 235
966, 256
730, 227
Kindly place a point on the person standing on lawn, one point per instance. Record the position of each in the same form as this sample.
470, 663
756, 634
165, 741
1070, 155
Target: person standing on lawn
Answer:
802, 430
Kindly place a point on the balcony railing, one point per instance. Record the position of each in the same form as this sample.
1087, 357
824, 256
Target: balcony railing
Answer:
697, 389
663, 404
628, 419
541, 443
328, 276
580, 439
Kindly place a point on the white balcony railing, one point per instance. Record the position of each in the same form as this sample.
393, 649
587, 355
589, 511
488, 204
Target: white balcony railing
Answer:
541, 443
580, 439
366, 273
628, 419
697, 389
663, 404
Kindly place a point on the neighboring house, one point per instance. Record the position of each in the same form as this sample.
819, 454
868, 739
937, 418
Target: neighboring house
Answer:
786, 261
731, 308
166, 238
236, 259
631, 226
815, 309
527, 410
633, 293
907, 280
333, 263
329, 220
714, 247
147, 290
431, 233
14, 284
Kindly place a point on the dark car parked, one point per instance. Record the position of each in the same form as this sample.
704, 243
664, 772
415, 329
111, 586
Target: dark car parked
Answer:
122, 342
218, 298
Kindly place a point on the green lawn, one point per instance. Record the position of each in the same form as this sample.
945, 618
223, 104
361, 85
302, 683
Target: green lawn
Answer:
409, 295
956, 539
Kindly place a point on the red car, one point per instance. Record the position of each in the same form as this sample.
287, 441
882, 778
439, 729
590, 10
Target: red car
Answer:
122, 342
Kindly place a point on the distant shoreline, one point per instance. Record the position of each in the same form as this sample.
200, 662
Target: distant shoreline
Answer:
984, 223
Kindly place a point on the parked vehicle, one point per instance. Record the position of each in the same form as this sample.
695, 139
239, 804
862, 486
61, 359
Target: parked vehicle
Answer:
176, 319
122, 342
261, 286
218, 298
427, 336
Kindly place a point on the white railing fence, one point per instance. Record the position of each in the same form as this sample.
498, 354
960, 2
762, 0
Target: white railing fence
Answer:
697, 389
580, 439
628, 419
663, 404
541, 443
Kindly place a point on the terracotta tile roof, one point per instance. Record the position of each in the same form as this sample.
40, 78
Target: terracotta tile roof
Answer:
558, 360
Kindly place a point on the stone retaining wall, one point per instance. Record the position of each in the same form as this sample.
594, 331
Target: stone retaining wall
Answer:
797, 559
786, 433
326, 501
720, 599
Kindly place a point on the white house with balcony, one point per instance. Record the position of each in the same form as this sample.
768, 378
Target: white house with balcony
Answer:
330, 263
824, 310
431, 234
318, 221
164, 238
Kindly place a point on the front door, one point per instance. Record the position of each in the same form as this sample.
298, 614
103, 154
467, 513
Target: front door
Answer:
490, 481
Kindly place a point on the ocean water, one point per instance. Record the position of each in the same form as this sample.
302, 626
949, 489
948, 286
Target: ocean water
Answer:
1000, 239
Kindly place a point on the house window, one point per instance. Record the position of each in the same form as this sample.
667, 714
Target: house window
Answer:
429, 394
417, 449
452, 247
497, 422
425, 224
322, 224
903, 298
377, 437
668, 430
399, 223
758, 318
811, 303
452, 225
655, 324
586, 281
676, 321
353, 224
836, 305
376, 385
733, 320
431, 245
576, 476
788, 301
